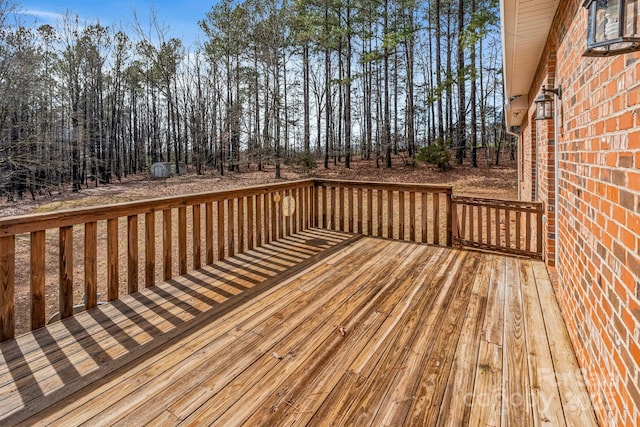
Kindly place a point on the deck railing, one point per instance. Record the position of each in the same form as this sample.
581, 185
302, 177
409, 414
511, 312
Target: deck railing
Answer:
504, 226
118, 253
415, 212
60, 258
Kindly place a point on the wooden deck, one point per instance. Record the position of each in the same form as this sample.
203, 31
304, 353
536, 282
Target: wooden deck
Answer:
319, 328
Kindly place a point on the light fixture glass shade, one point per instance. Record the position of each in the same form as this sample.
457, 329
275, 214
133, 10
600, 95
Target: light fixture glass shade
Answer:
612, 27
544, 107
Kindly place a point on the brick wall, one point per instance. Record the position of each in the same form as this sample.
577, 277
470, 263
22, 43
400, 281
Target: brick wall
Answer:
599, 208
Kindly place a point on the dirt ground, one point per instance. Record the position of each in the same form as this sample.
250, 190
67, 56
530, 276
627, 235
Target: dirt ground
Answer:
494, 182
490, 182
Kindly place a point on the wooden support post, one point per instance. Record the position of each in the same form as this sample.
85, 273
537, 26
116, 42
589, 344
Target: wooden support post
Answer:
7, 287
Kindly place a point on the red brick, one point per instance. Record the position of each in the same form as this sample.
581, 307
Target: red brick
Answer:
626, 121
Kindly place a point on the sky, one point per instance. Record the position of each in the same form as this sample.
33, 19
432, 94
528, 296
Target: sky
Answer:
180, 16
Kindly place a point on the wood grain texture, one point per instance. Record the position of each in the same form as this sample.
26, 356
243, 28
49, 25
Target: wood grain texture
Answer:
182, 240
65, 270
401, 215
516, 402
167, 244
132, 254
149, 249
251, 222
38, 279
220, 231
196, 236
241, 226
309, 330
91, 264
436, 219
209, 232
7, 287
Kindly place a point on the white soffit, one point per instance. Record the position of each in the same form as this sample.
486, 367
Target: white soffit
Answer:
525, 28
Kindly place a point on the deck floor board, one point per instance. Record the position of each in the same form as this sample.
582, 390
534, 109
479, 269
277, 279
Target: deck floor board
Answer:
321, 327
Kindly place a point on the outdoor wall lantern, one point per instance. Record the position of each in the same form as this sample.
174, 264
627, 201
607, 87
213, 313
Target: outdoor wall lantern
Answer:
544, 103
612, 27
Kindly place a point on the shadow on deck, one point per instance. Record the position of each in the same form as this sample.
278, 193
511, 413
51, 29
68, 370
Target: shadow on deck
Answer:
321, 327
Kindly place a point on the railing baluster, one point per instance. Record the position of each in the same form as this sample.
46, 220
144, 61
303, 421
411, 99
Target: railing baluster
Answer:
196, 243
527, 233
251, 201
305, 208
132, 254
507, 226
221, 249
379, 203
350, 208
448, 210
208, 230
497, 226
7, 287
65, 296
324, 207
276, 216
241, 237
38, 279
260, 221
412, 216
113, 270
341, 212
436, 218
150, 249
369, 211
268, 221
518, 231
390, 214
315, 191
360, 211
297, 206
286, 216
471, 224
401, 212
333, 209
231, 218
463, 223
425, 217
488, 213
182, 240
167, 244
539, 231
480, 224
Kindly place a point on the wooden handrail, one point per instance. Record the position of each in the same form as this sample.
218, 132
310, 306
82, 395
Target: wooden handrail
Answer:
393, 186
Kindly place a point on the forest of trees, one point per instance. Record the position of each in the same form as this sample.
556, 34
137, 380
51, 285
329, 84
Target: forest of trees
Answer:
272, 81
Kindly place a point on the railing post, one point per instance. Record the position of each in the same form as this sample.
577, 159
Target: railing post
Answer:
7, 287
